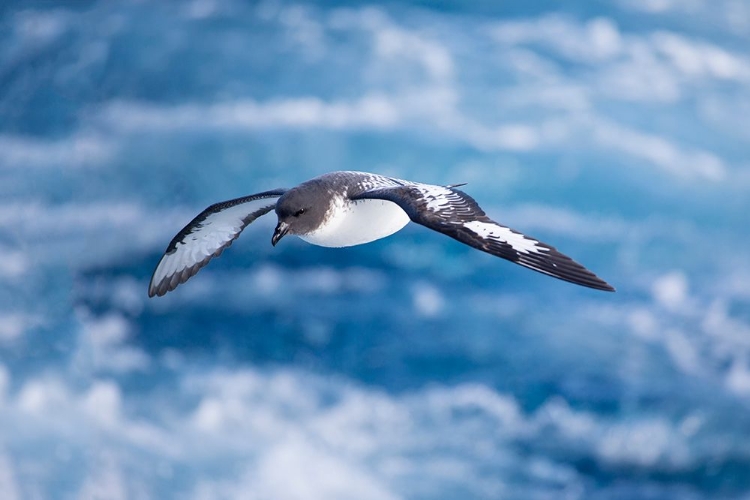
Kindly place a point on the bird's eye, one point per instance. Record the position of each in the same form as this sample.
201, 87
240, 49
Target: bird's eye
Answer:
299, 212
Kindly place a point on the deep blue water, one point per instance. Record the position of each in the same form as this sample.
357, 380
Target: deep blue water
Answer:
412, 367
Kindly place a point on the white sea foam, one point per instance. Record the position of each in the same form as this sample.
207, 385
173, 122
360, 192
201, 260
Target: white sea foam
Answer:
82, 234
13, 325
88, 409
13, 263
733, 15
8, 482
104, 348
671, 290
600, 41
427, 299
332, 438
77, 151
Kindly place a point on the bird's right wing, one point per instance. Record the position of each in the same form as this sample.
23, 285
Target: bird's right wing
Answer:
456, 214
206, 236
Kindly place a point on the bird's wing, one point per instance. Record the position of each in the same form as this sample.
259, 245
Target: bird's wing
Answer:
206, 237
453, 212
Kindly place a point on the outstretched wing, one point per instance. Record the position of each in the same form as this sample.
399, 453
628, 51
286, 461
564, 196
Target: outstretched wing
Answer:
456, 214
206, 237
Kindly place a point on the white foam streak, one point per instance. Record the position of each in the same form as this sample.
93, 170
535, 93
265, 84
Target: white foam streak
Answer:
684, 163
732, 15
427, 300
106, 481
596, 40
671, 290
392, 42
64, 234
13, 325
645, 442
76, 151
599, 41
319, 475
395, 45
430, 110
8, 482
103, 347
662, 6
39, 28
699, 59
373, 110
572, 224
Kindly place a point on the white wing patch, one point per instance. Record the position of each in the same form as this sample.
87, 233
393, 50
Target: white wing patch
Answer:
203, 238
518, 241
437, 197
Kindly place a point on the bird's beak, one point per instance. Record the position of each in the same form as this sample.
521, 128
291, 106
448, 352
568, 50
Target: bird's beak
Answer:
281, 229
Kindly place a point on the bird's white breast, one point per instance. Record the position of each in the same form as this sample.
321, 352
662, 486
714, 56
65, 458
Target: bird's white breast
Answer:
354, 223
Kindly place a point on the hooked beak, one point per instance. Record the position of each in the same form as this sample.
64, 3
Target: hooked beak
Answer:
281, 229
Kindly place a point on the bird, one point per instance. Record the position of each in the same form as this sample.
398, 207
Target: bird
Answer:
347, 208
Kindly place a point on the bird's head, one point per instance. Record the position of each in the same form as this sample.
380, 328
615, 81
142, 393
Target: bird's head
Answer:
297, 213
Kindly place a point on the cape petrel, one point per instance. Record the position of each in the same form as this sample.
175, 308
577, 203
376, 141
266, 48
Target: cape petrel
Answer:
342, 209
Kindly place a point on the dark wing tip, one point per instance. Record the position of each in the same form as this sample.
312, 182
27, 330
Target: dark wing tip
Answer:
606, 287
539, 257
558, 265
172, 281
169, 283
592, 281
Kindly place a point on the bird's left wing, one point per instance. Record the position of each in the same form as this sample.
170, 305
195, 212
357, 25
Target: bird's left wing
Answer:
456, 214
206, 236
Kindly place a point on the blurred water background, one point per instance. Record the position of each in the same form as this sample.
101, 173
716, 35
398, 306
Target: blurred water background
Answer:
413, 367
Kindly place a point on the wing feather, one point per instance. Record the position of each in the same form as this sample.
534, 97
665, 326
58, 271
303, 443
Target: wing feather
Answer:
206, 236
456, 214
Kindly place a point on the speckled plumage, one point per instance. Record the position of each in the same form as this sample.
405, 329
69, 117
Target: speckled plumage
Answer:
351, 208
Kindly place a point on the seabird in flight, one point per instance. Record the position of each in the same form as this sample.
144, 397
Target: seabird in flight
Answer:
342, 209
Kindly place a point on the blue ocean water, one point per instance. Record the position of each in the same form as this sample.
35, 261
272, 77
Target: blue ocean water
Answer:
412, 367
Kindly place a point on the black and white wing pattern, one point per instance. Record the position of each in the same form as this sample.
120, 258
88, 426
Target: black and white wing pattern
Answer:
453, 212
206, 237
